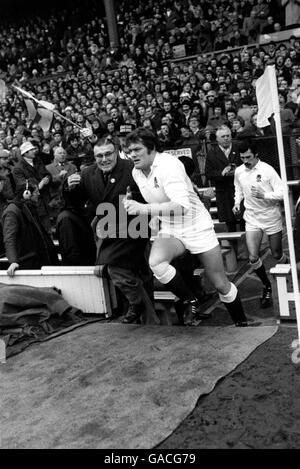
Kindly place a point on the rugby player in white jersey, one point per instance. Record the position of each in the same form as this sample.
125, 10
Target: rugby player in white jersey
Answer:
259, 185
184, 224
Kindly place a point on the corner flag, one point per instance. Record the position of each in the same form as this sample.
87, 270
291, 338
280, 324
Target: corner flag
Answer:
264, 98
268, 104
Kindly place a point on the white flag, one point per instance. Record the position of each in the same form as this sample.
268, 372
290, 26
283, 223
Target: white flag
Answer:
264, 98
39, 114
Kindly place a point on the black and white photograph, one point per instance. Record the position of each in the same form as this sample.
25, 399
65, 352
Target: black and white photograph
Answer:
150, 227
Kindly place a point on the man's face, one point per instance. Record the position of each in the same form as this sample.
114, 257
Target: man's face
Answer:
31, 154
4, 161
185, 132
231, 116
249, 159
60, 155
106, 157
57, 138
74, 143
114, 113
141, 156
194, 123
224, 137
185, 108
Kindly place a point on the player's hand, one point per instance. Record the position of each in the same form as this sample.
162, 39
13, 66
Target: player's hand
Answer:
257, 192
74, 180
133, 207
12, 268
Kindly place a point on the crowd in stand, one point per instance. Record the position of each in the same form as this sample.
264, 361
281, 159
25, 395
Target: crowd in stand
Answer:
66, 59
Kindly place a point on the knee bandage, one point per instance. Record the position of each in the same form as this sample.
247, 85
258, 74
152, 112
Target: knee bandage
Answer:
230, 296
164, 272
256, 264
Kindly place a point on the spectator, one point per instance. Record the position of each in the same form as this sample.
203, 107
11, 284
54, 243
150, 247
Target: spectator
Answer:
220, 167
31, 170
74, 232
60, 169
101, 184
27, 243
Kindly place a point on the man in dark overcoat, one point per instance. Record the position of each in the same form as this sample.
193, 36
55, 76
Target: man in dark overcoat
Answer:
221, 162
103, 185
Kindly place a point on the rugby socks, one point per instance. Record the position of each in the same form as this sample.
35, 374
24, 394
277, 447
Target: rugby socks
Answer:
260, 271
179, 288
234, 306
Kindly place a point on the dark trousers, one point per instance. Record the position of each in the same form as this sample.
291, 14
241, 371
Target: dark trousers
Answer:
130, 283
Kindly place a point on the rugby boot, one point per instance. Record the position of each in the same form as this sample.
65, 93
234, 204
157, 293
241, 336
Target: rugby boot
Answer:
193, 314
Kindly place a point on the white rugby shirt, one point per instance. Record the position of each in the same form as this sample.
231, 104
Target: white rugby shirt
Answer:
261, 175
168, 181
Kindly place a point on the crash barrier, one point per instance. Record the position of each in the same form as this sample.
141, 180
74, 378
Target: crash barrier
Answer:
84, 287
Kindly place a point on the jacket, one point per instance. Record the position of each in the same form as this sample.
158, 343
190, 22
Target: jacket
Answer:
215, 163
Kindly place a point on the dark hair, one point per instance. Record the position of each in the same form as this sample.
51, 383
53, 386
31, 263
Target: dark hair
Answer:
144, 136
105, 140
247, 144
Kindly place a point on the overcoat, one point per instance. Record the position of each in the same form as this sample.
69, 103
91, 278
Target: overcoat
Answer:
215, 163
118, 247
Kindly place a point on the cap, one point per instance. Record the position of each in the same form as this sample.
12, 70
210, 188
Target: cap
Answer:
25, 147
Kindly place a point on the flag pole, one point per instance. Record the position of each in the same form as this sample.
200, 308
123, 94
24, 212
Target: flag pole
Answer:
40, 103
275, 101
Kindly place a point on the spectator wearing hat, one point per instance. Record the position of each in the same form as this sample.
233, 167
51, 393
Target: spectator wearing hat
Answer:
30, 169
27, 243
